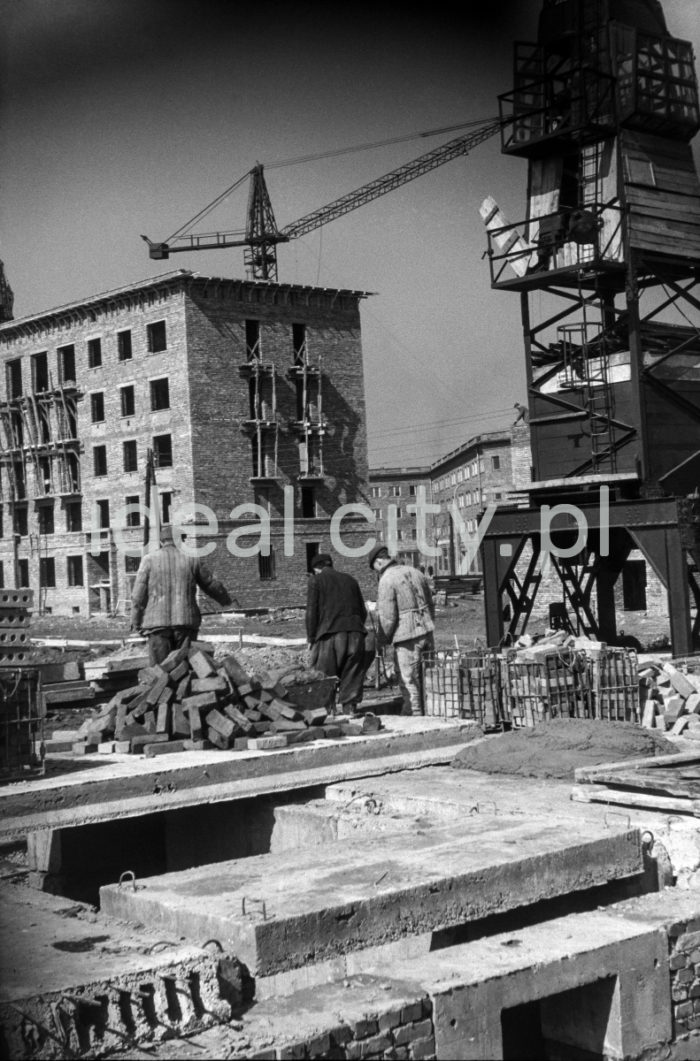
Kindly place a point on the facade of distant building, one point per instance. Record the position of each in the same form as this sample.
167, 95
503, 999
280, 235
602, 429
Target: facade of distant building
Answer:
489, 468
466, 480
250, 396
393, 493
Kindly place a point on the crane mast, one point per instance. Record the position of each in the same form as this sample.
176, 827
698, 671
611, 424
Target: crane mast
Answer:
262, 234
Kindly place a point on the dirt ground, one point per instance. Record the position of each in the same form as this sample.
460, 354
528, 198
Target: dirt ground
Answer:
459, 624
558, 747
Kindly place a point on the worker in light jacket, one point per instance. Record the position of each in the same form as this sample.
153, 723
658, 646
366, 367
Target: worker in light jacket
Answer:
164, 599
406, 616
335, 628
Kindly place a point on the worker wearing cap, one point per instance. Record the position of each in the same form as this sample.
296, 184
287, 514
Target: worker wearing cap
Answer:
406, 616
335, 628
164, 599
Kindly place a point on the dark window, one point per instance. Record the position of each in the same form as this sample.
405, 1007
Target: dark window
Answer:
163, 451
311, 549
160, 394
2, 522
47, 571
66, 364
2, 574
133, 519
157, 338
127, 400
46, 521
22, 572
97, 407
74, 516
166, 503
103, 513
299, 343
130, 456
19, 522
94, 348
40, 372
124, 346
73, 470
131, 564
17, 428
495, 463
74, 570
266, 566
20, 484
99, 460
308, 502
252, 340
13, 371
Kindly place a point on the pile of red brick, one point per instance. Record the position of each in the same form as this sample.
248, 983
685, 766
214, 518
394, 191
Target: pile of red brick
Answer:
189, 702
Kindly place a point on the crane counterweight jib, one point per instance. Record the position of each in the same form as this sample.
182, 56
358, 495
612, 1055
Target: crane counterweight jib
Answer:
157, 251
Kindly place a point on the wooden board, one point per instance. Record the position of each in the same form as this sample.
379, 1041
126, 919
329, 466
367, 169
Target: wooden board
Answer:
647, 800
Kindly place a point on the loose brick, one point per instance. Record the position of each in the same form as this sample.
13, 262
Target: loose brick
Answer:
293, 1052
685, 976
678, 961
684, 1010
214, 684
201, 664
221, 724
165, 748
377, 1044
363, 1028
179, 672
319, 1046
412, 1012
217, 739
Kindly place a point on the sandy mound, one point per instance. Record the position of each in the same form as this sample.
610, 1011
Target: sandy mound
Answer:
556, 748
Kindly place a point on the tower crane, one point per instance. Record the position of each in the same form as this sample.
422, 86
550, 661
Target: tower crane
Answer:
262, 235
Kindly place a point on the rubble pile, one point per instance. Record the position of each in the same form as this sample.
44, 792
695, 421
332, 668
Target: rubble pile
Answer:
192, 702
670, 697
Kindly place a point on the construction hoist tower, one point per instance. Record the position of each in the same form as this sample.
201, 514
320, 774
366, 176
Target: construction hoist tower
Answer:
606, 263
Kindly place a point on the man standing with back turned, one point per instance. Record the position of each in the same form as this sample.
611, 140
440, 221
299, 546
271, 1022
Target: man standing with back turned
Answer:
164, 598
406, 613
335, 628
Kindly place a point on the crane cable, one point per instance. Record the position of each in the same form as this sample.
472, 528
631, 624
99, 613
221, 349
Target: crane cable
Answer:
325, 154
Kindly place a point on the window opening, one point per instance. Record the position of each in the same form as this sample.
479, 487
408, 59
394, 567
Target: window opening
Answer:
157, 338
94, 348
124, 347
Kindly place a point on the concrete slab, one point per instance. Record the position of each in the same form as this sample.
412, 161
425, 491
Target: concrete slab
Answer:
99, 789
279, 912
442, 794
601, 981
72, 980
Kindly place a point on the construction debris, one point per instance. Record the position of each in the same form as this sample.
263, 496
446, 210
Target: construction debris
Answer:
192, 702
670, 696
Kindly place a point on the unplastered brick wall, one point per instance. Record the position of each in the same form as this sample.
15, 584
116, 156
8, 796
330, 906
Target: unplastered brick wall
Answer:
404, 1033
191, 333
684, 964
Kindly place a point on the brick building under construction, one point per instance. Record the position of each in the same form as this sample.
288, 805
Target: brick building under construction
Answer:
247, 393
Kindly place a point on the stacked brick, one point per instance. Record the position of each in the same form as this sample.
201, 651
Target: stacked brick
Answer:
403, 1034
188, 702
684, 963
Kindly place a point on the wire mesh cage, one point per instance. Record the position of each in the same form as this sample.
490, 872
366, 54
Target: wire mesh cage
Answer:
553, 685
463, 684
615, 681
21, 723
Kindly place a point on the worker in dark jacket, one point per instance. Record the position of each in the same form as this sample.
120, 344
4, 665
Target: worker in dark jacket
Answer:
164, 598
335, 628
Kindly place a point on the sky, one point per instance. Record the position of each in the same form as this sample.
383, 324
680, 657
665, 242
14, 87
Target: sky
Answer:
122, 117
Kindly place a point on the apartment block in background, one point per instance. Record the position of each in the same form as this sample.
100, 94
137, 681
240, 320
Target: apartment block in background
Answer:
250, 396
